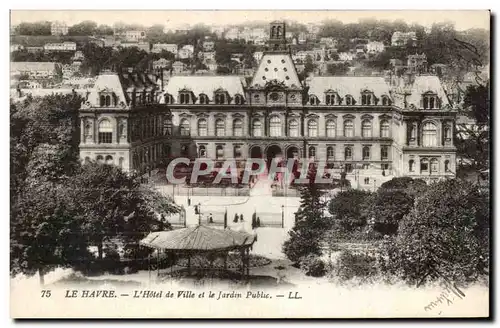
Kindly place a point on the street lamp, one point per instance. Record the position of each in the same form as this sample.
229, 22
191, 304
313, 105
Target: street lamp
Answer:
282, 216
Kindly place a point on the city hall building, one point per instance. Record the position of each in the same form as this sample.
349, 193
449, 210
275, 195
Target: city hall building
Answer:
366, 126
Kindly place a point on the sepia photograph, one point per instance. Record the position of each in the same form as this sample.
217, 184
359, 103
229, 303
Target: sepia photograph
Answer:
250, 164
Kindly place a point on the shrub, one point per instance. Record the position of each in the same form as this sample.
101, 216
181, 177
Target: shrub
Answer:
353, 265
445, 234
313, 266
347, 208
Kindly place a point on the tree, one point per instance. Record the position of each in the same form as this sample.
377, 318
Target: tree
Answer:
104, 30
387, 208
45, 232
36, 28
85, 28
346, 208
337, 69
310, 222
114, 206
446, 235
473, 141
410, 186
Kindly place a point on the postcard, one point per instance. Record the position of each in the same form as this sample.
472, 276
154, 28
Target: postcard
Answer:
249, 164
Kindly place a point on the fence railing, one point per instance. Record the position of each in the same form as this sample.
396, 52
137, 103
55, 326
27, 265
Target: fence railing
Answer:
270, 220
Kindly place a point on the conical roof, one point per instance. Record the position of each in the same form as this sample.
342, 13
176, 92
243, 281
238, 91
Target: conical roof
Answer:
199, 238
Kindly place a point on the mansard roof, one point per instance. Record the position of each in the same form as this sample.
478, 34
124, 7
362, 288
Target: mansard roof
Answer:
421, 85
109, 82
276, 67
232, 84
348, 85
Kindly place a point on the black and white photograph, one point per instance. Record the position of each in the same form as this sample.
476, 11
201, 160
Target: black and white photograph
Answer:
250, 164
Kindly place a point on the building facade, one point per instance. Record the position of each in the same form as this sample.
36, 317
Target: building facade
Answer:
358, 125
62, 47
58, 28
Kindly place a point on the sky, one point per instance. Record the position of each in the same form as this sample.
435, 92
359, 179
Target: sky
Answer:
171, 19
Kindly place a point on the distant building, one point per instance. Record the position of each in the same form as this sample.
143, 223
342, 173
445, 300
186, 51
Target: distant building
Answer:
417, 63
232, 34
35, 70
302, 38
135, 36
159, 47
78, 56
208, 46
207, 55
258, 55
400, 39
62, 46
211, 65
328, 42
186, 52
178, 67
16, 47
346, 56
58, 28
161, 63
375, 47
288, 35
140, 45
34, 49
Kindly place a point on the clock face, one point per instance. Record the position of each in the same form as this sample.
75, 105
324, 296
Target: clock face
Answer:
274, 96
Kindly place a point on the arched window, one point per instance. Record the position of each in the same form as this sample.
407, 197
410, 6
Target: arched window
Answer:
447, 166
169, 99
366, 129
105, 131
99, 159
366, 153
366, 99
348, 153
257, 128
447, 133
293, 128
312, 128
384, 129
237, 127
330, 153
184, 150
312, 152
185, 127
109, 160
238, 100
275, 126
202, 151
331, 99
424, 165
120, 162
348, 128
167, 126
203, 99
429, 135
102, 101
330, 128
219, 152
349, 100
430, 101
434, 165
108, 100
185, 98
313, 100
202, 127
220, 127
166, 151
220, 98
411, 165
386, 101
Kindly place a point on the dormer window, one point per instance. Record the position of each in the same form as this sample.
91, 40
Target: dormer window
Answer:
107, 99
185, 97
238, 100
313, 100
204, 99
221, 98
349, 100
169, 99
367, 98
331, 98
430, 101
386, 101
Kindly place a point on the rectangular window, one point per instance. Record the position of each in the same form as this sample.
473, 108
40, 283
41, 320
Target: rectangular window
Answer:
105, 137
348, 168
384, 153
366, 166
385, 166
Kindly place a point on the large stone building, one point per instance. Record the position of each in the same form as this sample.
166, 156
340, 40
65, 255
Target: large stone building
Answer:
357, 124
